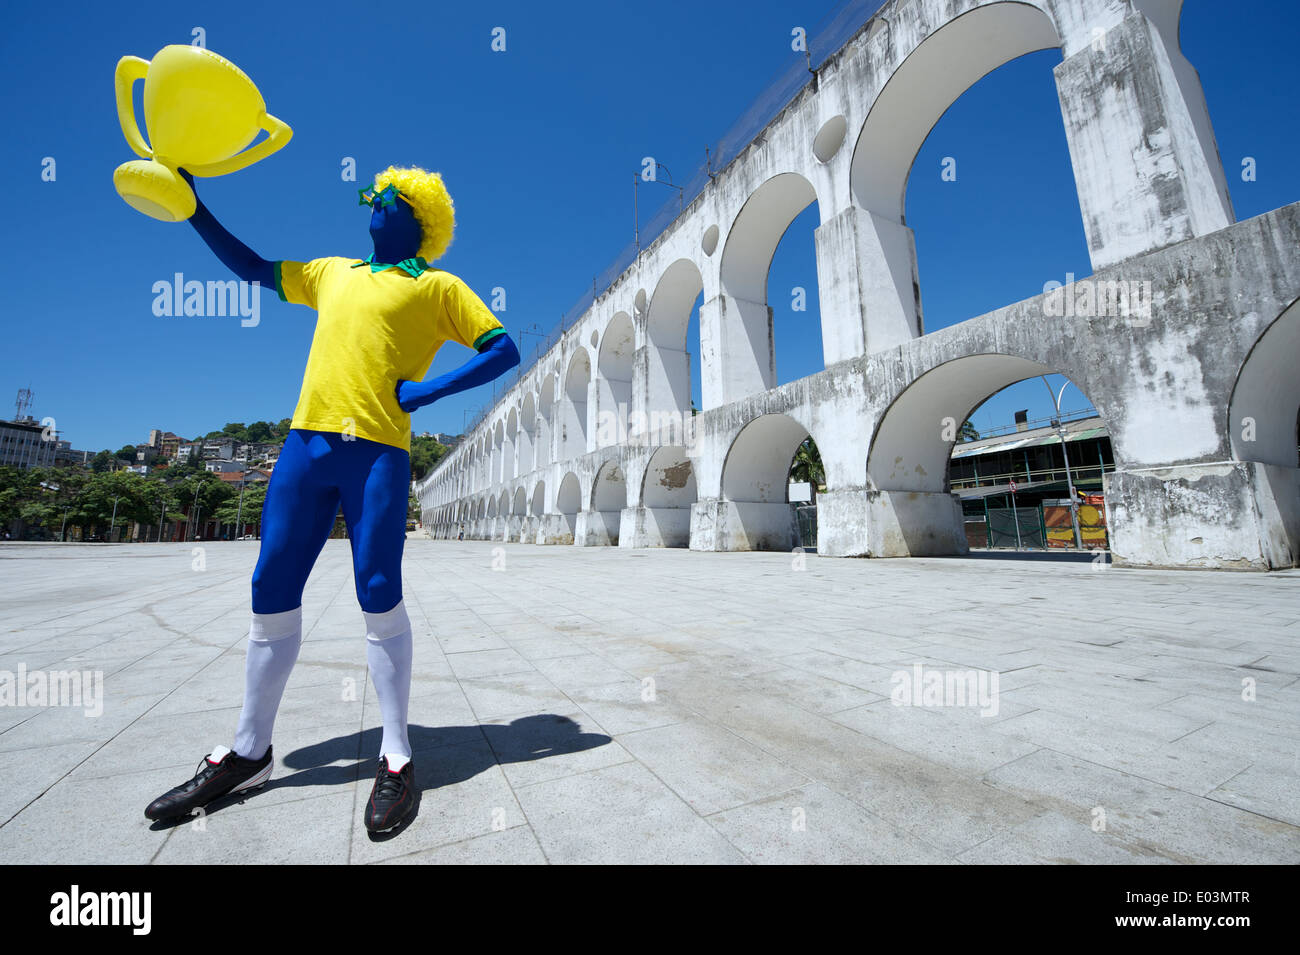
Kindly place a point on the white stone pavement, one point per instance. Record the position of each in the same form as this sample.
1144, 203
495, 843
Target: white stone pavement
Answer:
615, 705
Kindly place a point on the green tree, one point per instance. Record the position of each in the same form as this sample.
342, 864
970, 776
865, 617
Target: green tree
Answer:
968, 432
126, 453
230, 511
259, 431
807, 464
425, 454
102, 462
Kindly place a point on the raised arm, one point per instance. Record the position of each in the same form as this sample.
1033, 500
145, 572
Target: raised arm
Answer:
495, 357
236, 256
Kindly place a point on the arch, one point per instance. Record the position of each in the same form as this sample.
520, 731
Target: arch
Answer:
573, 406
568, 501
757, 231
1265, 402
669, 479
908, 451
934, 75
614, 380
757, 467
537, 504
545, 422
755, 512
527, 433
608, 498
520, 507
746, 358
668, 366
668, 491
509, 444
568, 497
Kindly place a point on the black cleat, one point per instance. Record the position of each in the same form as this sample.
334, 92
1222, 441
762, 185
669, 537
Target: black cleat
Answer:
392, 798
228, 773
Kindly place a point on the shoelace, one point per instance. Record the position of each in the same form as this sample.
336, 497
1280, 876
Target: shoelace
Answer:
389, 785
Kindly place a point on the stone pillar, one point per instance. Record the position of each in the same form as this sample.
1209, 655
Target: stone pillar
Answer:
867, 280
913, 524
654, 527
742, 525
1235, 515
736, 342
1144, 177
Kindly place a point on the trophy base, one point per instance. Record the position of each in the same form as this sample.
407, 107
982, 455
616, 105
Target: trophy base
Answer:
155, 190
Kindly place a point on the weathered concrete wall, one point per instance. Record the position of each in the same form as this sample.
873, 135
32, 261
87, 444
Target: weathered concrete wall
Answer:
1165, 338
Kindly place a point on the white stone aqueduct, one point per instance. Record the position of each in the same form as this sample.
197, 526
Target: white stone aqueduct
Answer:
1200, 391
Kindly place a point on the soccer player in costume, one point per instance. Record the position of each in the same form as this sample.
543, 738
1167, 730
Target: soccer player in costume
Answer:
379, 323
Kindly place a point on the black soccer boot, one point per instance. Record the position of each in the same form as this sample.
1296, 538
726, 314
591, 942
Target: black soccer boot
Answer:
392, 798
221, 773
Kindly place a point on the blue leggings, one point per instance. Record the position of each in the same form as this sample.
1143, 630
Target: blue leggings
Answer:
317, 471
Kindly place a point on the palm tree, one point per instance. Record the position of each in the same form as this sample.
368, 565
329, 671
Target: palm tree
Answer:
807, 464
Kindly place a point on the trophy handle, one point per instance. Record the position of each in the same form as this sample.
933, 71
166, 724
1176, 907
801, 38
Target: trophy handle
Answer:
130, 69
277, 134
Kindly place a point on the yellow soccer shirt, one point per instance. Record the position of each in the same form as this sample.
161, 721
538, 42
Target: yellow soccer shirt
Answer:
373, 328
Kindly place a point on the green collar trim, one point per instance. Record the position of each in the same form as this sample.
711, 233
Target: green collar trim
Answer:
412, 266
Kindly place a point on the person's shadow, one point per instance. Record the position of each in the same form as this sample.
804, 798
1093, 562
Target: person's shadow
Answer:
443, 756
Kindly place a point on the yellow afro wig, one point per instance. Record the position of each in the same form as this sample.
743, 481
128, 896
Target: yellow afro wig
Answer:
430, 202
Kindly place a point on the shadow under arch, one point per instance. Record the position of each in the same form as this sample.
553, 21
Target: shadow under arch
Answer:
755, 483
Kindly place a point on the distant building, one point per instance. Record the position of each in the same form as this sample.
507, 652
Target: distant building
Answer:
1015, 489
165, 443
24, 443
224, 467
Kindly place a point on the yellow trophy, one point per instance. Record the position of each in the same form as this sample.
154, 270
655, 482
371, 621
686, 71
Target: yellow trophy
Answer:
201, 111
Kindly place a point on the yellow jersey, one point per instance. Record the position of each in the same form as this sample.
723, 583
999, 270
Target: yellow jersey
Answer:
373, 328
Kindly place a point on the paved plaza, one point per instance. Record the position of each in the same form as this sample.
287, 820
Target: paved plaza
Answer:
613, 705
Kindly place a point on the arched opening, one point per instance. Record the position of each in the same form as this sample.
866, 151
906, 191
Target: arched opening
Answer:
527, 434
520, 508
755, 484
573, 408
1265, 403
608, 498
568, 501
536, 513
672, 329
508, 470
667, 493
747, 349
912, 171
498, 454
545, 422
942, 483
614, 382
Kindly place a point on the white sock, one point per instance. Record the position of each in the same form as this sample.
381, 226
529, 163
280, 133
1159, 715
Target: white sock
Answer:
396, 762
273, 642
388, 654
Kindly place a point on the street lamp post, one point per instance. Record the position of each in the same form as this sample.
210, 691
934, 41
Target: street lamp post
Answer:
1065, 454
112, 524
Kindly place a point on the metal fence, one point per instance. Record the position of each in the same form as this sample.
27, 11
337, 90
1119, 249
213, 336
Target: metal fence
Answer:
823, 41
805, 525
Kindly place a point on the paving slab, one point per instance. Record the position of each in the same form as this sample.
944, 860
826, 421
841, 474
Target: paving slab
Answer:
614, 705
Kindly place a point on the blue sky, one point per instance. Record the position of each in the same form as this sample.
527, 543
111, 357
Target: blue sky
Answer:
538, 146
